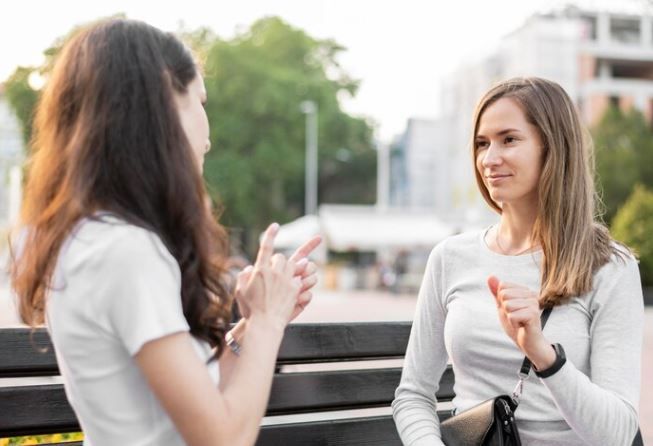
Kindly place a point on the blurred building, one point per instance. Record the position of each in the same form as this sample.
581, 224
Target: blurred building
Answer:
599, 57
11, 158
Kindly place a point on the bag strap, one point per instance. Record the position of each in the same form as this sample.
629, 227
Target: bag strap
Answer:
526, 365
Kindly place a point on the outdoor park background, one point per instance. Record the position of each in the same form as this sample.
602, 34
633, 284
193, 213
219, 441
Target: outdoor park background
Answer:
382, 97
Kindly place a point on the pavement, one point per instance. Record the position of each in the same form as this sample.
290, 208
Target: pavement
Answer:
329, 306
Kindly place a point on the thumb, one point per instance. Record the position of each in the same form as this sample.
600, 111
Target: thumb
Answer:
493, 283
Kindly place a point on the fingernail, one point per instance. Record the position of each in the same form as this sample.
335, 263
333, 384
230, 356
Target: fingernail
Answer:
248, 268
302, 262
274, 226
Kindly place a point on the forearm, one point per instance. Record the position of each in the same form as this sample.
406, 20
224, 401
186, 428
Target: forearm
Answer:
597, 415
229, 359
249, 379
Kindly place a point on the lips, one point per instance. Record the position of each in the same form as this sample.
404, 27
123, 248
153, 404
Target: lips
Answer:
496, 178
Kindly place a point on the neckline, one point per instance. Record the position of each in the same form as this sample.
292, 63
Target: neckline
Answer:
521, 258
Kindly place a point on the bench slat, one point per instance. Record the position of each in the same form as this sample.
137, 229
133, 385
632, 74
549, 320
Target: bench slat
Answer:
377, 431
45, 409
323, 342
302, 343
23, 353
30, 410
342, 389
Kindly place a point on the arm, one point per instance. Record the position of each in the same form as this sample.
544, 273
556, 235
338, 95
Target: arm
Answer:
414, 407
230, 414
602, 408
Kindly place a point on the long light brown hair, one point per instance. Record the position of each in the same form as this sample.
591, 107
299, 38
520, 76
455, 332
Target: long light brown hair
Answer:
574, 242
108, 137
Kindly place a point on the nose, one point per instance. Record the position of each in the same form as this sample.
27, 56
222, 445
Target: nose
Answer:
491, 157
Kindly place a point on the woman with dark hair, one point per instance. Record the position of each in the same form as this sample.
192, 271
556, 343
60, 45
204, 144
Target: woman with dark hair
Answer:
483, 292
121, 258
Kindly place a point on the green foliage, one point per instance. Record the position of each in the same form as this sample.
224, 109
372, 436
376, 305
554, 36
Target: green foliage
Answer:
633, 225
624, 156
22, 98
255, 84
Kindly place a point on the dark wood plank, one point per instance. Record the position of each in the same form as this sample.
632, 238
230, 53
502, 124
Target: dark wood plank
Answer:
32, 410
302, 343
26, 353
323, 342
339, 390
377, 431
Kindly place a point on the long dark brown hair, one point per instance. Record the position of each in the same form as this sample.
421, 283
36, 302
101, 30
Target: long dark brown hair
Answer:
108, 137
574, 241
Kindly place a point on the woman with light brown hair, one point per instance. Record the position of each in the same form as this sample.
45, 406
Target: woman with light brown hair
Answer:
483, 293
121, 258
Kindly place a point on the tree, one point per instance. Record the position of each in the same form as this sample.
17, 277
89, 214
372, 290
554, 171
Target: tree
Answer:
624, 156
255, 84
22, 98
633, 225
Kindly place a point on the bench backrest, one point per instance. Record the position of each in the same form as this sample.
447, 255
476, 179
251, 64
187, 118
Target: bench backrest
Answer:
41, 409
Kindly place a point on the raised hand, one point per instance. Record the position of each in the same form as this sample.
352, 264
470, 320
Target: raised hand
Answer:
519, 313
269, 289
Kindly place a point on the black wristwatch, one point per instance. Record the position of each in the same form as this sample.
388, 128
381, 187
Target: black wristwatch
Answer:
557, 364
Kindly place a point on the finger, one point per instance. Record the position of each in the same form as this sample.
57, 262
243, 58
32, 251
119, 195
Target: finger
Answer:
511, 285
311, 268
516, 293
521, 317
513, 305
493, 283
267, 245
243, 277
306, 248
304, 299
309, 282
278, 263
300, 266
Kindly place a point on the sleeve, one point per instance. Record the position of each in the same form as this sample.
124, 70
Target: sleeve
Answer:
602, 408
414, 406
145, 299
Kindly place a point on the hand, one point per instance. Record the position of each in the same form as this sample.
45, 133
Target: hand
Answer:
519, 314
306, 271
269, 289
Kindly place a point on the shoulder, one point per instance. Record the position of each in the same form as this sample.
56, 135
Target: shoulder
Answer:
459, 243
618, 279
622, 263
111, 243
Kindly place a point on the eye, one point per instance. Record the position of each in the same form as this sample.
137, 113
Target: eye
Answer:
509, 140
480, 144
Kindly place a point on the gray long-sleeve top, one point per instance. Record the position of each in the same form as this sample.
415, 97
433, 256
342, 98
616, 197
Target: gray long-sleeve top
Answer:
592, 400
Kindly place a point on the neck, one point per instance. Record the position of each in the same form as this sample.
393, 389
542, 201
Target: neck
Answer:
515, 230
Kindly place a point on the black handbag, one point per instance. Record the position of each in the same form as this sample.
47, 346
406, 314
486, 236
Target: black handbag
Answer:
491, 423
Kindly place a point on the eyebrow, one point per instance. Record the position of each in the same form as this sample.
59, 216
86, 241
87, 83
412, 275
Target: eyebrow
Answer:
501, 133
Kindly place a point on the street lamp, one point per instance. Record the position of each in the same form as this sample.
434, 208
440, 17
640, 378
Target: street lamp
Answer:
309, 108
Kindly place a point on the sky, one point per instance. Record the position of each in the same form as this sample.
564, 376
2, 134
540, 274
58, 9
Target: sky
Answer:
400, 50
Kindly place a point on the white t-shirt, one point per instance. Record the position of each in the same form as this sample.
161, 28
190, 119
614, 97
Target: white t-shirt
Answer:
115, 287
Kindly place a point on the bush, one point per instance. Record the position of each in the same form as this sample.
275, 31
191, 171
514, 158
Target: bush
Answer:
633, 225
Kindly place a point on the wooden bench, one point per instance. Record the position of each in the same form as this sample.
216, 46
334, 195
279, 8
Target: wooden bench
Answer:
43, 408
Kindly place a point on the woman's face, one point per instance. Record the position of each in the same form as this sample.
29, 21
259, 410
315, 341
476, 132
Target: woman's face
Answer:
508, 151
192, 115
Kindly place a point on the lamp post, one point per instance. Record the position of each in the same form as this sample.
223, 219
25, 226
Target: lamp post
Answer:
309, 108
